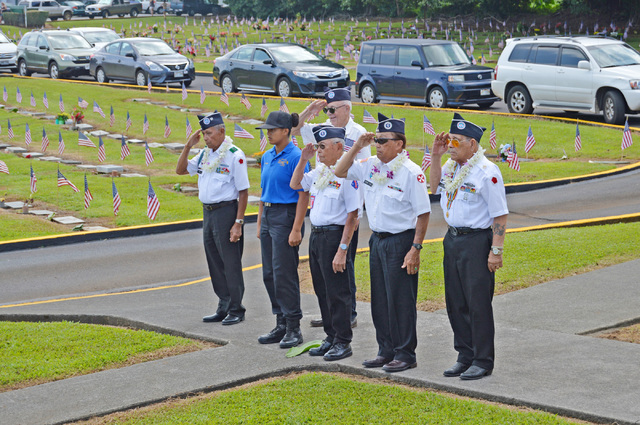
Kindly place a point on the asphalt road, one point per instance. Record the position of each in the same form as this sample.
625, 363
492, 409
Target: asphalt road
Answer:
145, 261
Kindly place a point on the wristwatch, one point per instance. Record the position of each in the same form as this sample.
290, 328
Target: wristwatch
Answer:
496, 250
417, 246
239, 221
344, 246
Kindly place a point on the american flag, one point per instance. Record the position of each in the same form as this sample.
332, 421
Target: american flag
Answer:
184, 92
33, 100
33, 180
102, 155
263, 141
167, 127
61, 104
112, 118
60, 143
9, 129
224, 98
82, 103
492, 136
63, 181
45, 140
245, 101
148, 156
294, 140
153, 205
202, 95
124, 149
531, 141
512, 159
3, 167
83, 140
241, 133
116, 198
283, 106
427, 127
426, 158
5, 95
128, 122
263, 110
27, 135
188, 130
45, 101
627, 141
368, 118
87, 193
149, 86
18, 95
97, 108
578, 142
145, 124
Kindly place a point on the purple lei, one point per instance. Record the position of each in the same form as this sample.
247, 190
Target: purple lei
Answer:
390, 175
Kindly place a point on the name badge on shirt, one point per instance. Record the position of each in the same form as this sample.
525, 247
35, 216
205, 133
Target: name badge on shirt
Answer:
223, 169
368, 183
312, 199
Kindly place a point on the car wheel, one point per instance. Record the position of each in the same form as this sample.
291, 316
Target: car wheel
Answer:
54, 71
227, 84
283, 87
437, 98
22, 68
91, 16
178, 13
519, 101
191, 12
133, 13
54, 19
613, 107
485, 105
101, 77
67, 16
105, 14
368, 94
160, 10
188, 83
141, 78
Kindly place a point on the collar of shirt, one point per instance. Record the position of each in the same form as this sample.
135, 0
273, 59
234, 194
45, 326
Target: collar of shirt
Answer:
287, 149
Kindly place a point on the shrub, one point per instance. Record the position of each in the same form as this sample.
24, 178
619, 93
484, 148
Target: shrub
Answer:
35, 18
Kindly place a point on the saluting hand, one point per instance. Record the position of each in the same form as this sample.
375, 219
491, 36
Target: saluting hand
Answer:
308, 152
364, 140
440, 144
194, 139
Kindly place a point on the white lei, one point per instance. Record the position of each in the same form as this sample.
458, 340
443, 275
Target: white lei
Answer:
451, 184
326, 175
380, 179
222, 151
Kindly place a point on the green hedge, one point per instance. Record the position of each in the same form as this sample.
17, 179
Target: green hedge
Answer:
35, 18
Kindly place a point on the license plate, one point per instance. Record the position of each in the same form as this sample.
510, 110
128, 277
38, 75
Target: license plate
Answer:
485, 92
333, 84
86, 66
178, 74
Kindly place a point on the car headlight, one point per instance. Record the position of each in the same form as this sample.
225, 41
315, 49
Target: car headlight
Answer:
67, 57
635, 84
303, 74
344, 73
456, 78
154, 66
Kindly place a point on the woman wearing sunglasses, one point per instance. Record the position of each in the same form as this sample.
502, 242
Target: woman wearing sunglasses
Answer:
280, 229
398, 208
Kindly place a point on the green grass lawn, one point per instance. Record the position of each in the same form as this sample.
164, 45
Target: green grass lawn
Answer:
329, 399
33, 353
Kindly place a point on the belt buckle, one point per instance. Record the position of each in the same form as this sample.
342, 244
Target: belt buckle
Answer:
454, 231
267, 204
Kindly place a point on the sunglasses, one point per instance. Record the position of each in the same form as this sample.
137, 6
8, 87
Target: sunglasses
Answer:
382, 141
331, 110
454, 142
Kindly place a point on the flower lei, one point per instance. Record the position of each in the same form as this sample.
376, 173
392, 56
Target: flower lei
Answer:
326, 175
453, 180
376, 174
222, 151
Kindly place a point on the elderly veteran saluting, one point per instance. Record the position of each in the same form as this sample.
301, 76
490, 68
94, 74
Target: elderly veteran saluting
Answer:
335, 205
475, 208
398, 208
223, 186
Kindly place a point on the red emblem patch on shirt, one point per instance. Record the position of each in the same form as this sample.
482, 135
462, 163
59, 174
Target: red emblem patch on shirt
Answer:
421, 178
494, 180
240, 160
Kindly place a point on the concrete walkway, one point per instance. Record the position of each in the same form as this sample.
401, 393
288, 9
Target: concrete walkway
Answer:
544, 359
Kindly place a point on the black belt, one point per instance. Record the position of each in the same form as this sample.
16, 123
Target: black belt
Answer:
271, 204
212, 207
457, 231
330, 228
383, 235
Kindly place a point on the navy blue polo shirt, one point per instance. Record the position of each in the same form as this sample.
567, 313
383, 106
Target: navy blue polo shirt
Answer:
277, 169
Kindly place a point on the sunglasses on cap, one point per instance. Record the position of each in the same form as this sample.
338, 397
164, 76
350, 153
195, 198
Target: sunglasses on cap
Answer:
382, 141
332, 110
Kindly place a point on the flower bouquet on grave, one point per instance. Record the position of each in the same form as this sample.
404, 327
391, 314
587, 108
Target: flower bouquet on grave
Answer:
62, 118
503, 152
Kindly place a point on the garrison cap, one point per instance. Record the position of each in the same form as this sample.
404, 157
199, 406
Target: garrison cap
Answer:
461, 126
336, 95
394, 125
325, 132
211, 120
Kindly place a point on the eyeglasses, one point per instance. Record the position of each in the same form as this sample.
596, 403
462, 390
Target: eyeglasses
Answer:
382, 141
454, 142
331, 110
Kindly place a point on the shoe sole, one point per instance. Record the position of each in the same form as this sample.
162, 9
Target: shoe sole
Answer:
374, 365
476, 377
291, 345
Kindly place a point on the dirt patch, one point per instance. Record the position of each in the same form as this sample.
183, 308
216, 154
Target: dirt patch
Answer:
626, 334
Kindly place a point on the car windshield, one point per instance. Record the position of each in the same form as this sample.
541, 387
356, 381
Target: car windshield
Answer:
609, 55
294, 54
100, 36
104, 2
4, 39
68, 41
445, 55
154, 48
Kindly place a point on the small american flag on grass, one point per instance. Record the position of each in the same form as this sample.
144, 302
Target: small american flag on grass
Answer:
202, 95
263, 109
63, 181
102, 155
87, 194
578, 141
18, 95
368, 118
263, 141
492, 136
83, 140
3, 167
167, 127
145, 124
45, 101
241, 133
124, 149
153, 205
531, 141
33, 180
283, 106
97, 109
112, 118
427, 127
45, 140
60, 143
116, 198
627, 141
128, 122
426, 159
148, 156
245, 101
27, 135
61, 104
82, 103
224, 98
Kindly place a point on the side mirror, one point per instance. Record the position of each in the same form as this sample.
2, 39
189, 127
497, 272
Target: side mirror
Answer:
417, 63
131, 55
43, 47
584, 65
268, 61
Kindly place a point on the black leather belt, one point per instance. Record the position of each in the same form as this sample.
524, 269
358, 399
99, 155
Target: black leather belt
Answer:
383, 235
457, 231
330, 228
271, 204
212, 207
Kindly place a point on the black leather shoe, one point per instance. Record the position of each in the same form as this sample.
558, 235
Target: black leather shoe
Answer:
455, 370
354, 322
218, 317
475, 372
398, 366
340, 350
276, 333
293, 335
232, 320
316, 323
379, 361
320, 351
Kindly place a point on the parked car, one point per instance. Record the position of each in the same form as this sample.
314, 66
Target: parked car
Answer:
437, 73
176, 7
8, 54
106, 8
159, 6
97, 36
203, 7
282, 68
55, 9
140, 60
58, 53
589, 74
76, 6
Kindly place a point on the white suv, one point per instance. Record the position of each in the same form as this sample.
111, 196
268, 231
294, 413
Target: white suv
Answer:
588, 74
